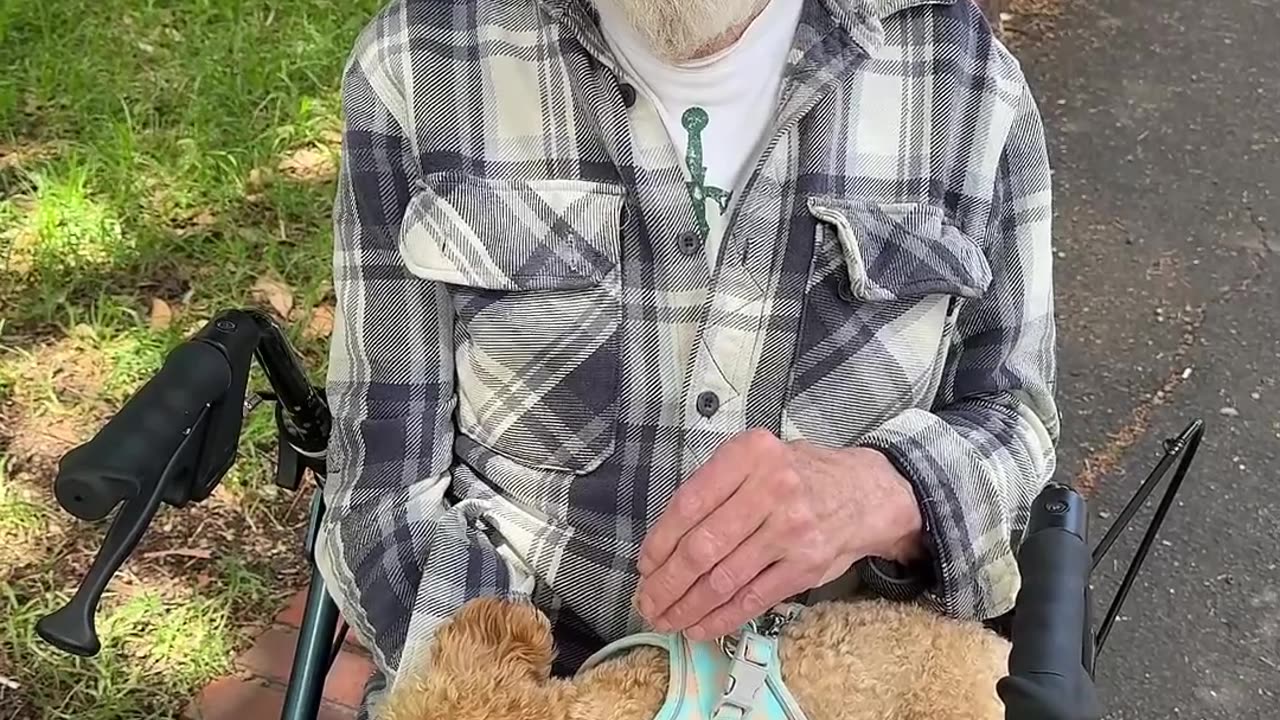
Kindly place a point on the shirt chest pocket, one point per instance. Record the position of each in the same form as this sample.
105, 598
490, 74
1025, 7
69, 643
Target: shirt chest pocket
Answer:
881, 299
533, 271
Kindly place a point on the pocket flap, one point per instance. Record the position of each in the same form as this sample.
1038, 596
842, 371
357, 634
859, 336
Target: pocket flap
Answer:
901, 250
506, 235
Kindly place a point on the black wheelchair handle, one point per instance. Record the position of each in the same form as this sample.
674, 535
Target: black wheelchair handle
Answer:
173, 441
133, 458
1048, 679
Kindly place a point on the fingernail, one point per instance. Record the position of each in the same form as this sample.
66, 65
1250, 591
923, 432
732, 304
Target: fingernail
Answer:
645, 605
662, 625
697, 633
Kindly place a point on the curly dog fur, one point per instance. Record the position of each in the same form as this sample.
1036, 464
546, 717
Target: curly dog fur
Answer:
864, 660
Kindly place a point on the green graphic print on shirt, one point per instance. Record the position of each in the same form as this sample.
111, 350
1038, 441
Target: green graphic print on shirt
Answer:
695, 120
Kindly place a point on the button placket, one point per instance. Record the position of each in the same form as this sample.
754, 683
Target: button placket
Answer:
713, 402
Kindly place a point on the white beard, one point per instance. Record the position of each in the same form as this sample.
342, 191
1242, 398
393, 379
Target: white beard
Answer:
679, 30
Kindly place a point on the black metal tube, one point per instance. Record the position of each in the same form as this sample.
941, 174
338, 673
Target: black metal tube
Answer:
1131, 508
305, 408
1187, 443
312, 657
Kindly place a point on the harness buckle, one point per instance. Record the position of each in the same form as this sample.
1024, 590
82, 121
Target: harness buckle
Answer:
753, 651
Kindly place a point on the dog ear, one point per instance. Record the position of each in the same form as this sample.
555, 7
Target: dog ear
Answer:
492, 635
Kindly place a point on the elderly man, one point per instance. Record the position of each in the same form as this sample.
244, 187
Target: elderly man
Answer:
661, 312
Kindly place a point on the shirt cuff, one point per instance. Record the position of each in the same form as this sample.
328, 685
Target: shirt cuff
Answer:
938, 464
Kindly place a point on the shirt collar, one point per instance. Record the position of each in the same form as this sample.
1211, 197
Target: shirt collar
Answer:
832, 36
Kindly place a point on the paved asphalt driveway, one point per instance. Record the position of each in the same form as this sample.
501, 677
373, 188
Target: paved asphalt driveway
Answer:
1164, 121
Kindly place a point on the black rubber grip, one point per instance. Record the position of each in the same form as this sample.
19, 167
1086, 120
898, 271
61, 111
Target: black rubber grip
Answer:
1047, 679
1054, 563
132, 450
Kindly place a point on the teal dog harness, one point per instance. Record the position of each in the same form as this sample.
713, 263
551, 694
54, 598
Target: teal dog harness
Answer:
734, 678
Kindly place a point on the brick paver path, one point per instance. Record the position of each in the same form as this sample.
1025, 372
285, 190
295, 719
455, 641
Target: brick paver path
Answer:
256, 690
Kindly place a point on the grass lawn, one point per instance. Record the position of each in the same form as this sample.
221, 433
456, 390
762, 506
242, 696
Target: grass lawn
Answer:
159, 161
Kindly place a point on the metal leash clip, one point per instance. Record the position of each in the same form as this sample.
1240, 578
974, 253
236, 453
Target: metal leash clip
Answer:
768, 625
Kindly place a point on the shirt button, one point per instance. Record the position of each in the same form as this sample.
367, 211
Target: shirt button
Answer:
628, 93
690, 243
845, 290
708, 403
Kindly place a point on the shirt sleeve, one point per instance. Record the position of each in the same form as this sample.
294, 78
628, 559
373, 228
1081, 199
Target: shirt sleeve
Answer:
979, 458
394, 552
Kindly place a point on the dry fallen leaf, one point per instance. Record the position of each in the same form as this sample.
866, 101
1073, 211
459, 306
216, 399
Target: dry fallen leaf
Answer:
200, 553
308, 165
274, 293
321, 324
196, 223
161, 314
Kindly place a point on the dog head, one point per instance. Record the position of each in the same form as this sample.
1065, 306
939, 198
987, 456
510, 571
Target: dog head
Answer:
491, 660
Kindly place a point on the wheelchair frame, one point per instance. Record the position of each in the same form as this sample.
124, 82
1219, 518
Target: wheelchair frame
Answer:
319, 639
197, 403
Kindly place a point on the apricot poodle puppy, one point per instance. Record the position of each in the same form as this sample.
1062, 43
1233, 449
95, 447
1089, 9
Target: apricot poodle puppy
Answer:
863, 660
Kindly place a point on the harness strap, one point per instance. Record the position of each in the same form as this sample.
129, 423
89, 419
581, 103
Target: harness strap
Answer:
616, 647
741, 666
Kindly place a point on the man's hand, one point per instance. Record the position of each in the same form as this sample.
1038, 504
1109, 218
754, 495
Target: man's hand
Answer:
764, 520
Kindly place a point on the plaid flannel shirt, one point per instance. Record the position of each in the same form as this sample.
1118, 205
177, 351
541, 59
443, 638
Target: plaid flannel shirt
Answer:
527, 360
